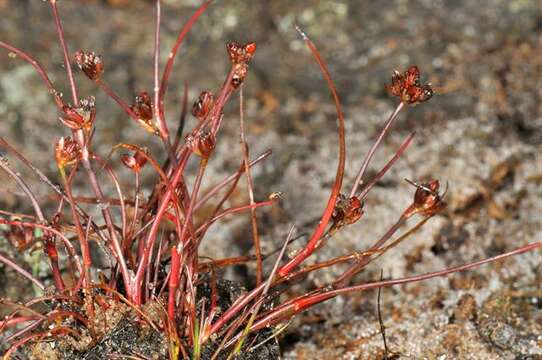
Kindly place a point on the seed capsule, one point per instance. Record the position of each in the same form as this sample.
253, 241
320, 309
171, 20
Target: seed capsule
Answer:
90, 63
143, 109
408, 88
81, 117
240, 53
201, 144
67, 151
203, 106
347, 211
135, 161
427, 200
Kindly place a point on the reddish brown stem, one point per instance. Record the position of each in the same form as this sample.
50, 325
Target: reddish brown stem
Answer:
26, 57
9, 262
229, 179
250, 186
373, 148
171, 59
386, 167
326, 217
65, 53
173, 282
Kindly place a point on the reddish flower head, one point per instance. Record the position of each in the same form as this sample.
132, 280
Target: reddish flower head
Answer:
142, 106
81, 117
67, 151
408, 88
143, 109
203, 106
201, 144
347, 211
427, 200
241, 53
136, 161
90, 63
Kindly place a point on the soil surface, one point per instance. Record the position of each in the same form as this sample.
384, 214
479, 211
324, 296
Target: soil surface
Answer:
481, 133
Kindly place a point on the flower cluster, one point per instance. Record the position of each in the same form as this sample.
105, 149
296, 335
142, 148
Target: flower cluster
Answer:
427, 200
142, 108
90, 63
407, 87
347, 211
202, 144
135, 161
67, 151
240, 56
203, 105
80, 117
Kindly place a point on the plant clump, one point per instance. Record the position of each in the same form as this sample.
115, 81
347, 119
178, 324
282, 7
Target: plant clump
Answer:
156, 296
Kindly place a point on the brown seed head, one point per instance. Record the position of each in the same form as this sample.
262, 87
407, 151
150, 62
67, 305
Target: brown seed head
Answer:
67, 151
143, 109
347, 211
427, 200
81, 117
408, 88
90, 63
142, 106
203, 106
202, 144
241, 53
19, 236
135, 161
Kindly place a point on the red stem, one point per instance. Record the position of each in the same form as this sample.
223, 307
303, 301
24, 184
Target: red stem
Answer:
173, 282
9, 262
372, 151
159, 103
65, 53
320, 229
250, 186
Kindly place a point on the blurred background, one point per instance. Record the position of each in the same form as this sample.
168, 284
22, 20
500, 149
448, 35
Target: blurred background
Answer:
481, 133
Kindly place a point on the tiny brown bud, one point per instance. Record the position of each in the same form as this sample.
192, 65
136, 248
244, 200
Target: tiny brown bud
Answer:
143, 109
135, 161
142, 106
201, 144
347, 211
90, 63
67, 151
203, 106
427, 200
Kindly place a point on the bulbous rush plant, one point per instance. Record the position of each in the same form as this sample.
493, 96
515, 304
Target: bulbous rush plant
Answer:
155, 282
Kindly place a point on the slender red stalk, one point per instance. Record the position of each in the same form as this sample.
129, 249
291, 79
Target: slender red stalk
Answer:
65, 53
326, 217
67, 243
250, 186
9, 262
386, 167
171, 59
232, 178
4, 164
39, 69
113, 95
373, 148
173, 281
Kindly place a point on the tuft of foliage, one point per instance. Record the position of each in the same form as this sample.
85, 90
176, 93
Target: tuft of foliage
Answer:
151, 241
